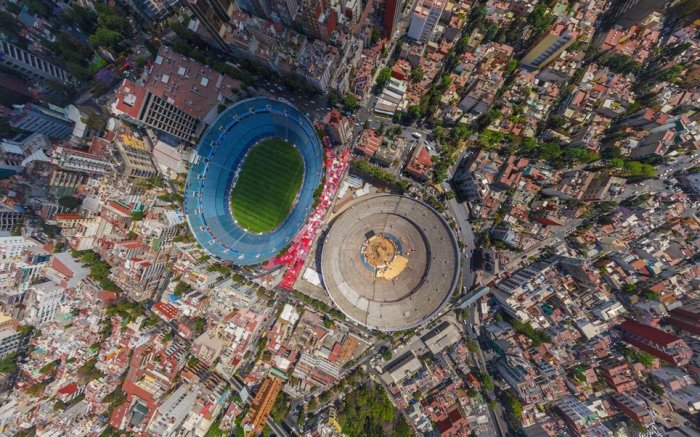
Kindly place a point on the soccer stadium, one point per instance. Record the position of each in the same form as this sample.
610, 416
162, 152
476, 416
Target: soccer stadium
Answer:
251, 183
390, 262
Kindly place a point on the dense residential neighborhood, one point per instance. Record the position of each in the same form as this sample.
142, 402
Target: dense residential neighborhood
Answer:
349, 218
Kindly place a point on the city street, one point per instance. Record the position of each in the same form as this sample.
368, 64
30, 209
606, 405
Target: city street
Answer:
315, 105
471, 330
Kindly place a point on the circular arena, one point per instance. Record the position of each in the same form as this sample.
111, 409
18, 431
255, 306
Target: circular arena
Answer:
390, 262
214, 173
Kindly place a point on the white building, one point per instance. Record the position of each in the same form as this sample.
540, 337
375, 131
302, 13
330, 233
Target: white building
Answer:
173, 411
30, 65
424, 19
43, 302
9, 337
12, 247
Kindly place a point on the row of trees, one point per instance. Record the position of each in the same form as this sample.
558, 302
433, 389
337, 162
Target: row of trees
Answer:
367, 411
99, 269
318, 305
378, 176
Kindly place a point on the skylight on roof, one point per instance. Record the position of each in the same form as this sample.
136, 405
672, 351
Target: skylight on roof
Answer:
159, 59
165, 78
204, 81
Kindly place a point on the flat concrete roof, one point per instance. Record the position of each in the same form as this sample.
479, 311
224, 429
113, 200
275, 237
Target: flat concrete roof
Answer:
423, 286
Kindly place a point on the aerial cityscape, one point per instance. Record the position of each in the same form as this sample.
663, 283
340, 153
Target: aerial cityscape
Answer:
356, 218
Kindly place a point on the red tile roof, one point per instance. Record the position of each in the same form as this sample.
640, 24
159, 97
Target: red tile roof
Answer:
68, 216
61, 268
168, 311
130, 98
420, 163
119, 207
649, 333
68, 389
188, 85
369, 142
131, 244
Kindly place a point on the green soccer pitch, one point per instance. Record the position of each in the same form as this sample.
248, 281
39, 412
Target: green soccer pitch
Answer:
267, 185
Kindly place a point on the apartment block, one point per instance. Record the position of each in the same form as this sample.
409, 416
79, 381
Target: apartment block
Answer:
392, 15
261, 407
51, 122
10, 218
657, 342
135, 155
214, 16
30, 65
177, 97
43, 301
424, 20
551, 46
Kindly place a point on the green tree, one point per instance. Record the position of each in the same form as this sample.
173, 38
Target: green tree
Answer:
8, 364
95, 122
513, 409
511, 65
386, 354
137, 216
540, 18
489, 138
374, 36
351, 102
550, 151
69, 202
487, 382
180, 288
383, 77
106, 38
78, 71
460, 132
417, 74
617, 163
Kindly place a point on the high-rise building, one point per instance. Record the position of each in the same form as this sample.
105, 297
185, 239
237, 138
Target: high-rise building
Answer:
179, 93
258, 8
10, 338
424, 19
687, 317
152, 9
10, 218
139, 277
318, 19
392, 12
51, 122
135, 155
30, 65
173, 411
657, 342
284, 11
215, 16
30, 266
551, 46
261, 407
43, 301
338, 126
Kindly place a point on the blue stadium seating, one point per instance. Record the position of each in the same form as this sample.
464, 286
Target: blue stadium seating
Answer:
212, 173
